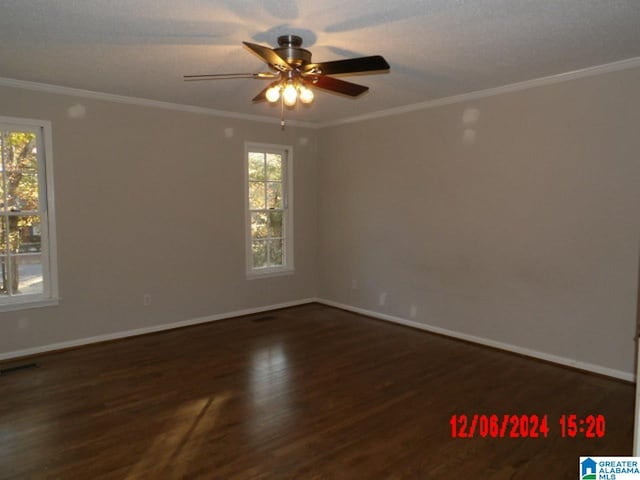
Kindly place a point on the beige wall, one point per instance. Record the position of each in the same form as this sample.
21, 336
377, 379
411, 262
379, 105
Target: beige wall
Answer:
151, 201
526, 234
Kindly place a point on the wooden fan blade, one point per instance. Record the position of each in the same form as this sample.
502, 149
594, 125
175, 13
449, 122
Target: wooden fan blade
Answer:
269, 56
228, 76
352, 65
338, 86
261, 97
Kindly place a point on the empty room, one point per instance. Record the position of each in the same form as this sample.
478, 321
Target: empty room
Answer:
287, 239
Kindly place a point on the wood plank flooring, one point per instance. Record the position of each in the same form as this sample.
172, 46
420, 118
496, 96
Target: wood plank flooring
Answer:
311, 393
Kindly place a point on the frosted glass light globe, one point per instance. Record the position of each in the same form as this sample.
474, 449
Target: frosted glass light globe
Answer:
290, 95
306, 95
273, 94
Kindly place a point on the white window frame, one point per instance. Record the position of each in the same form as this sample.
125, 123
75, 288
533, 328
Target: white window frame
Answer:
287, 202
49, 296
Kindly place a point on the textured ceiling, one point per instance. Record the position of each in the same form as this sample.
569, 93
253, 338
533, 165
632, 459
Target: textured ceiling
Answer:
436, 48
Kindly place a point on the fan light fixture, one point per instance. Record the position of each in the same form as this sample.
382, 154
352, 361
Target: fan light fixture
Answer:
295, 76
290, 92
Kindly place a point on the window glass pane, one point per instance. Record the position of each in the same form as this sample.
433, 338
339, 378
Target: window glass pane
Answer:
268, 211
258, 225
4, 146
256, 166
24, 234
20, 170
22, 190
29, 274
274, 167
275, 224
19, 151
4, 273
3, 235
10, 275
2, 179
3, 138
275, 252
21, 231
256, 196
22, 273
259, 252
274, 195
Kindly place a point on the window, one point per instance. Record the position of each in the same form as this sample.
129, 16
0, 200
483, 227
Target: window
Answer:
268, 196
27, 257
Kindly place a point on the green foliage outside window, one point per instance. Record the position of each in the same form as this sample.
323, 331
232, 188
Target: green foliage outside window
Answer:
19, 204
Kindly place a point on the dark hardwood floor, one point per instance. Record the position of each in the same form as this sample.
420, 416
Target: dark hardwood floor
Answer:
311, 393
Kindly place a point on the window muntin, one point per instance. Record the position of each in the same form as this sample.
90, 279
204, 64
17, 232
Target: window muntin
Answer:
26, 259
268, 209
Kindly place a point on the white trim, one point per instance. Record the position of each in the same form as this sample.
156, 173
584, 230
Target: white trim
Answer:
143, 102
619, 374
270, 272
143, 331
34, 301
51, 236
288, 213
46, 212
626, 64
490, 92
610, 372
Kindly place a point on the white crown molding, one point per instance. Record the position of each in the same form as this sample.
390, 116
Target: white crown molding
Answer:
547, 357
626, 64
144, 102
490, 92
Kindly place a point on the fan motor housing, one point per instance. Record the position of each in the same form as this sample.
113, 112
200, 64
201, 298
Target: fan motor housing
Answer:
290, 50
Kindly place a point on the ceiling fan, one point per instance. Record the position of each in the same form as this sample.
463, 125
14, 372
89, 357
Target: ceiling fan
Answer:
294, 75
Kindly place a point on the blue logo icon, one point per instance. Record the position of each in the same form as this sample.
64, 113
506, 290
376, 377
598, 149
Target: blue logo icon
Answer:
588, 469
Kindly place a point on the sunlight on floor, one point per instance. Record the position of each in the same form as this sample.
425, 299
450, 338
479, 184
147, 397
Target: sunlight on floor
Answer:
193, 423
270, 392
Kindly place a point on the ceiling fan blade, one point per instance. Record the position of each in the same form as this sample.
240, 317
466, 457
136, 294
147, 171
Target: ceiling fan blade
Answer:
338, 86
269, 56
261, 97
228, 76
352, 65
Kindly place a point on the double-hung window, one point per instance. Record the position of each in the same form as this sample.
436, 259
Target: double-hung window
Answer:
268, 194
27, 256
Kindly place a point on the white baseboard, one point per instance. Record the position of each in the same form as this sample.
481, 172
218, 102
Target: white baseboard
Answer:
589, 367
627, 376
142, 331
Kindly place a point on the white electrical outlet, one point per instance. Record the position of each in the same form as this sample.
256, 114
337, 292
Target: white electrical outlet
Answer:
354, 284
146, 299
413, 312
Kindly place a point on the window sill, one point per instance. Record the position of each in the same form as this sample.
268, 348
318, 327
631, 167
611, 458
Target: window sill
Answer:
268, 273
27, 303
